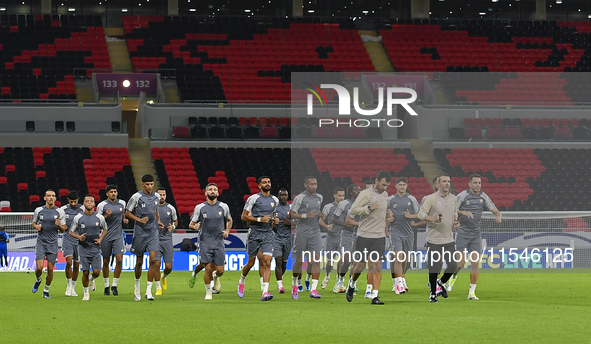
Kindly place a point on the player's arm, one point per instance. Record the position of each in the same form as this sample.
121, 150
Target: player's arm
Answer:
124, 218
60, 222
160, 224
195, 223
73, 228
460, 201
350, 222
103, 225
7, 237
286, 220
426, 209
131, 206
228, 218
498, 216
295, 207
247, 217
100, 209
130, 215
360, 206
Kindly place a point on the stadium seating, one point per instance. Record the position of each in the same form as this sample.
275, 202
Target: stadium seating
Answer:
344, 166
241, 59
515, 129
508, 174
27, 172
40, 55
186, 171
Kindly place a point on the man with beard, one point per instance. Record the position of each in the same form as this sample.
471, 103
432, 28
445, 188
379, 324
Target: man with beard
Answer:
210, 217
260, 210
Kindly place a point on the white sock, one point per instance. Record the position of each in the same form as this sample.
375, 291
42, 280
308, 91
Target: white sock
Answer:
265, 287
262, 281
314, 284
106, 282
39, 279
137, 283
73, 284
374, 294
115, 280
85, 290
212, 285
472, 288
90, 278
69, 282
242, 279
193, 274
164, 275
149, 288
369, 288
46, 290
395, 280
328, 275
308, 277
299, 281
207, 288
351, 282
214, 275
280, 284
158, 285
354, 284
294, 281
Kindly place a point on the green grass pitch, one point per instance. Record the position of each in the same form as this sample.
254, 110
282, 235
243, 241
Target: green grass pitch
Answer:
513, 307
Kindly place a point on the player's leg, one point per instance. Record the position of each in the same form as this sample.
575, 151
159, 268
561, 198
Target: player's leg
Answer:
38, 269
85, 262
207, 278
139, 262
462, 246
450, 255
68, 270
219, 258
117, 272
475, 249
260, 258
106, 250
152, 272
266, 249
279, 273
49, 278
76, 271
278, 253
95, 263
197, 269
314, 245
299, 246
407, 246
357, 269
252, 249
376, 249
167, 256
68, 252
434, 261
158, 265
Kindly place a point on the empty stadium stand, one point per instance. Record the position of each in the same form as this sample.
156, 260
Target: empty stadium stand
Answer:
241, 59
27, 172
523, 179
41, 54
526, 128
187, 171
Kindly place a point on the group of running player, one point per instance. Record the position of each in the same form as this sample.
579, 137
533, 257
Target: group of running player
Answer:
88, 233
360, 223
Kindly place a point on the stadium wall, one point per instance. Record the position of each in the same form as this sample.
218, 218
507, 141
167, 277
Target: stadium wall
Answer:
435, 121
156, 120
88, 117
